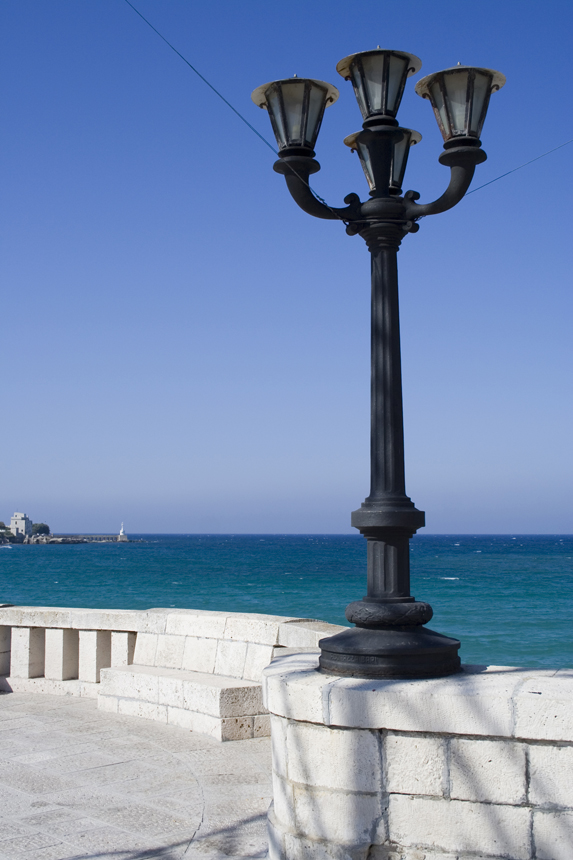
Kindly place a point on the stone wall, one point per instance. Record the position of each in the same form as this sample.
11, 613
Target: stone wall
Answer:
64, 651
474, 766
196, 669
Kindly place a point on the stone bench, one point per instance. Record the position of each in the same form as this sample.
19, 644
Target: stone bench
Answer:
193, 668
217, 705
204, 672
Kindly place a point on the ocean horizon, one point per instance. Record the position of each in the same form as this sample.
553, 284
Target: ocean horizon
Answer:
507, 597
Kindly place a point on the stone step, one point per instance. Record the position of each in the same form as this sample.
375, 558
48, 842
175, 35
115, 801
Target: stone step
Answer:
13, 684
223, 707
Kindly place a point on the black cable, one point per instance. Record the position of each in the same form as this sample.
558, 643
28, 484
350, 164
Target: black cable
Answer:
205, 81
228, 103
549, 151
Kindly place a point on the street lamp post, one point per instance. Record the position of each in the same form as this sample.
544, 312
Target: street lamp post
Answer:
389, 638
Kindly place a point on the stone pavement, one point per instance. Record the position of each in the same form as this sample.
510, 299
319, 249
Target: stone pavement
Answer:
76, 782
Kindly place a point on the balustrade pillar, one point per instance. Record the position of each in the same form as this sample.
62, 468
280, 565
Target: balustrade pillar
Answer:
28, 651
5, 644
95, 654
62, 654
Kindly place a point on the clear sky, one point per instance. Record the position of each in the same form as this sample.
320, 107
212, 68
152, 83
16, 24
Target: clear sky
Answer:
185, 350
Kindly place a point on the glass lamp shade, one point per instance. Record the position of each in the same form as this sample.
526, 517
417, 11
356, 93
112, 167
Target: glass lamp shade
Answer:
460, 98
378, 78
400, 154
296, 107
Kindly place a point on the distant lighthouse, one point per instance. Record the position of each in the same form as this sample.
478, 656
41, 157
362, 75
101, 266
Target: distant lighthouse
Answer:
121, 536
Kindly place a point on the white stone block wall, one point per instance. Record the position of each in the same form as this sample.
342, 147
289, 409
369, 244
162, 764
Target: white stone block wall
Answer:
387, 770
199, 654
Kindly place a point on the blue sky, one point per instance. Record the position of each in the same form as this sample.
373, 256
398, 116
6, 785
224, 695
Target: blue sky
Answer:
186, 351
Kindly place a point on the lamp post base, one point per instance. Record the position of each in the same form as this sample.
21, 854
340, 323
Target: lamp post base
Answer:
397, 652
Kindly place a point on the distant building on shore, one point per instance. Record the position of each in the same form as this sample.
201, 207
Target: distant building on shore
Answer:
21, 524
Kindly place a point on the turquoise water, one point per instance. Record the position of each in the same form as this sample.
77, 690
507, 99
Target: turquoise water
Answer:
509, 598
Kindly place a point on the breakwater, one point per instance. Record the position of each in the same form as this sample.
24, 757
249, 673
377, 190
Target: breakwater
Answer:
73, 539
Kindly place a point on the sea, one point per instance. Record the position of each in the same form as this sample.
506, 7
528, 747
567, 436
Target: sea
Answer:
508, 598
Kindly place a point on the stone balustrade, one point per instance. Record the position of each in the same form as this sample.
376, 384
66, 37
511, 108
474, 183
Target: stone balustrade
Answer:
43, 647
197, 669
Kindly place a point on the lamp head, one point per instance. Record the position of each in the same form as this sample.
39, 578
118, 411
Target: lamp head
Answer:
365, 143
460, 98
296, 107
379, 78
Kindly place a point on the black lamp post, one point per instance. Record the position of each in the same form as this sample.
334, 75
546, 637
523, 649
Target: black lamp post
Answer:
389, 639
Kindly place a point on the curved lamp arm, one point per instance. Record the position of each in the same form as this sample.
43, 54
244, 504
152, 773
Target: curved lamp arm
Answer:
296, 170
462, 162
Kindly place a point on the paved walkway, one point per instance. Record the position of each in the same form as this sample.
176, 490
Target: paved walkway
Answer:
78, 783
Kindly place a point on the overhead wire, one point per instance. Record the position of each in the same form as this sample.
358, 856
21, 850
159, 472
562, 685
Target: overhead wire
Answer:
234, 109
549, 151
270, 145
203, 78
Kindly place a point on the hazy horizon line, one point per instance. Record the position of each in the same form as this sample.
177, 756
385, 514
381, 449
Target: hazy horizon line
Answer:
323, 534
